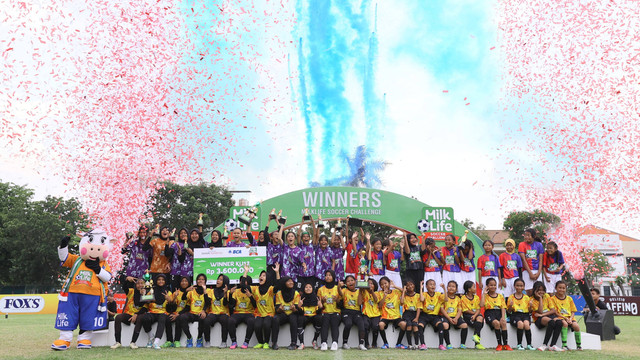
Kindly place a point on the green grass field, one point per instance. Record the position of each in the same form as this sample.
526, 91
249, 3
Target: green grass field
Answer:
30, 337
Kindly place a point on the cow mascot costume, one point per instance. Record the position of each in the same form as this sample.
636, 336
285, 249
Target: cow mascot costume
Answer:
83, 297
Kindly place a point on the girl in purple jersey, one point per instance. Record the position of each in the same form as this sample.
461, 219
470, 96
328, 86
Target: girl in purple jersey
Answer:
307, 247
337, 248
293, 264
324, 259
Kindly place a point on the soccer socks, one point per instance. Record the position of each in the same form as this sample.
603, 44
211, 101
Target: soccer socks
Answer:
477, 327
519, 333
416, 337
578, 337
400, 336
409, 340
463, 335
498, 338
440, 333
556, 332
548, 332
446, 337
504, 337
421, 334
527, 335
564, 336
383, 334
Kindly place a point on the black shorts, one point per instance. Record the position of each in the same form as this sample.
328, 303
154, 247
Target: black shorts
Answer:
433, 320
409, 316
492, 314
518, 316
457, 323
394, 322
467, 318
538, 321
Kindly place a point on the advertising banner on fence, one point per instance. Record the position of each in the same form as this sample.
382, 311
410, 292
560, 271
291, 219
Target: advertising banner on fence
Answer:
29, 304
623, 305
230, 262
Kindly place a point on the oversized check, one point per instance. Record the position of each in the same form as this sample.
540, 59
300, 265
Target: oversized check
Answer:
230, 262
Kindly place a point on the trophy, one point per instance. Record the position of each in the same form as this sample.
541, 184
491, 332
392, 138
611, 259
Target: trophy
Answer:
306, 216
281, 219
320, 223
147, 290
129, 235
225, 233
272, 214
200, 223
248, 215
362, 281
339, 225
353, 221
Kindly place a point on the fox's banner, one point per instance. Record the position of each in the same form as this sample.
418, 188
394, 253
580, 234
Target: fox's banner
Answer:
229, 261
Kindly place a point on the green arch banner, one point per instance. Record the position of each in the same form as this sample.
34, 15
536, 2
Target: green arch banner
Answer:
372, 205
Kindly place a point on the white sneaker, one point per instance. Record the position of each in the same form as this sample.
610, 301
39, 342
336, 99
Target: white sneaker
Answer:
345, 346
222, 345
362, 347
116, 345
556, 348
207, 344
133, 345
323, 347
334, 346
543, 347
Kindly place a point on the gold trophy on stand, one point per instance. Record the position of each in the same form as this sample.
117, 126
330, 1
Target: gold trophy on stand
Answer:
272, 214
200, 223
306, 216
339, 225
320, 223
282, 219
147, 291
362, 281
248, 215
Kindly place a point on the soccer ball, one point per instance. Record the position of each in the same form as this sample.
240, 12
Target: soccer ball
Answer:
423, 226
231, 224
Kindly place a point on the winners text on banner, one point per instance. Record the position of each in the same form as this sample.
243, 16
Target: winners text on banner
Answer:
230, 262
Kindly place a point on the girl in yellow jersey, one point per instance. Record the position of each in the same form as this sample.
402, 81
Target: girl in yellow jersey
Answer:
412, 307
452, 314
287, 300
518, 305
390, 306
495, 313
431, 304
351, 313
131, 308
566, 309
470, 304
370, 299
157, 311
330, 295
176, 306
197, 310
243, 303
264, 294
217, 308
544, 315
309, 305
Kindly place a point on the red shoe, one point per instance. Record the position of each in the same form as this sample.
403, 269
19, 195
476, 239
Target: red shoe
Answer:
507, 348
499, 348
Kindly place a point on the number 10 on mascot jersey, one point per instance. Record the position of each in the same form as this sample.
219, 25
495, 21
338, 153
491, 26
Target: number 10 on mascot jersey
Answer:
82, 301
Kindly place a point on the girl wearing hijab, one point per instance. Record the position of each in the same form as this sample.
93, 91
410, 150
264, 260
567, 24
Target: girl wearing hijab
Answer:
309, 306
510, 267
217, 307
156, 311
287, 300
330, 294
196, 301
264, 294
176, 306
216, 239
178, 270
243, 303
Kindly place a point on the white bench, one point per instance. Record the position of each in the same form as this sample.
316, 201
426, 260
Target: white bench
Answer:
106, 337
